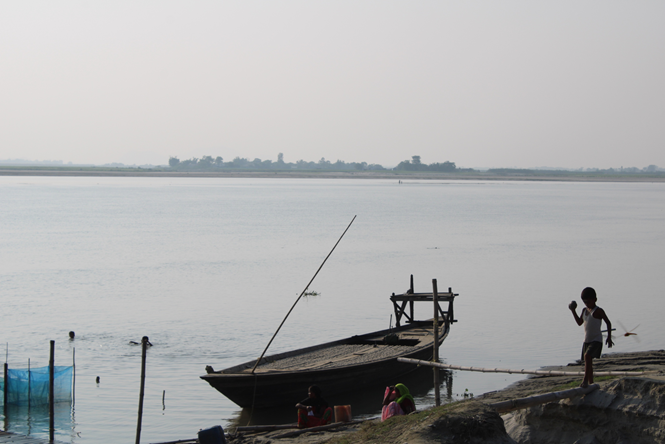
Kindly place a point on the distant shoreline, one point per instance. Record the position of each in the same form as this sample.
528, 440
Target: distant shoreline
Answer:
384, 175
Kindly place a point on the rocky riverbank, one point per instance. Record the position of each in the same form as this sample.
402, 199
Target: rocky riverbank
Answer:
624, 410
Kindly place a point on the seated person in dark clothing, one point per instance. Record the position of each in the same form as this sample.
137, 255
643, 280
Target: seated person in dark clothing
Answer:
313, 411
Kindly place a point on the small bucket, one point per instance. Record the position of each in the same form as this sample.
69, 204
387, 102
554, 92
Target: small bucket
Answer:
213, 435
342, 413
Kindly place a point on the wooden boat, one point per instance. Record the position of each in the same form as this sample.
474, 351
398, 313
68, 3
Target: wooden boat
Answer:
339, 366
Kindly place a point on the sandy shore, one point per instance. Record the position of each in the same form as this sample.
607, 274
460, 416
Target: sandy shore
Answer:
393, 175
624, 410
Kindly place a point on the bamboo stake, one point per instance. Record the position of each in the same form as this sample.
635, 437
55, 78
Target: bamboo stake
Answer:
5, 390
303, 292
522, 371
51, 391
6, 377
73, 377
265, 428
523, 403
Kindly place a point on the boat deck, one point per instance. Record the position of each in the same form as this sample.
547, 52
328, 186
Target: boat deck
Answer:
344, 355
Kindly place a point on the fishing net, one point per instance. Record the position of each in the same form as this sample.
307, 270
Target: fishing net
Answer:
32, 386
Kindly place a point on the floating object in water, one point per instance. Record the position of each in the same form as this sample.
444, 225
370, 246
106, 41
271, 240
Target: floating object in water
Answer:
145, 338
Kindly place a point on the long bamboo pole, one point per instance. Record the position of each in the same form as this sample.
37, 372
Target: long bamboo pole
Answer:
523, 403
524, 372
266, 428
319, 428
301, 294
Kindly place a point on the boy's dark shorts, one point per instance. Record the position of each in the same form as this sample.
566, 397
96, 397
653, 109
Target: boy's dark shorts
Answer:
594, 349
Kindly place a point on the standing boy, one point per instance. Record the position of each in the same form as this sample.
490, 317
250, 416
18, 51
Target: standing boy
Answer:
591, 316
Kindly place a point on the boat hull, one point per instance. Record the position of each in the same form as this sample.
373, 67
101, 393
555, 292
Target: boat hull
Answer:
272, 389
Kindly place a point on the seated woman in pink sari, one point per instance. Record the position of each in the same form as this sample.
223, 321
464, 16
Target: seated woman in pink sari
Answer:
397, 401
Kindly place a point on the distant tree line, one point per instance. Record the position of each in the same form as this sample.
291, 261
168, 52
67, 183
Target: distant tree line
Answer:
208, 163
416, 165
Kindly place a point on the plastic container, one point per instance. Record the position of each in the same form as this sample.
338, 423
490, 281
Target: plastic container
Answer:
213, 435
342, 413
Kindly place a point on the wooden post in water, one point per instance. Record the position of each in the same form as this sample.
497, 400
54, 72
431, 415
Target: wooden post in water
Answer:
4, 389
435, 354
51, 393
73, 376
144, 346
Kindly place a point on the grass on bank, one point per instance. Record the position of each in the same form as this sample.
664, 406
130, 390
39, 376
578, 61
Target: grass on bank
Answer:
460, 418
392, 429
576, 384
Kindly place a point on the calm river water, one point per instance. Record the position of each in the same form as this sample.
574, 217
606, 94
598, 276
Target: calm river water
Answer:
207, 268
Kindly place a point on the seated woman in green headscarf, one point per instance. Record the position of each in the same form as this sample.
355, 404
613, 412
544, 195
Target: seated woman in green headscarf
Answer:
397, 401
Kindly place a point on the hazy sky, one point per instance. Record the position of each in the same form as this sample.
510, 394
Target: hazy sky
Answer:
480, 83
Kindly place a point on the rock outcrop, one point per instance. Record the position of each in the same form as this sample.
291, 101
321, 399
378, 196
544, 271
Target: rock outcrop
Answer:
628, 410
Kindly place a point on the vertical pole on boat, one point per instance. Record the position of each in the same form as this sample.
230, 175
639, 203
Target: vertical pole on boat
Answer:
51, 393
435, 354
451, 314
144, 346
411, 301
